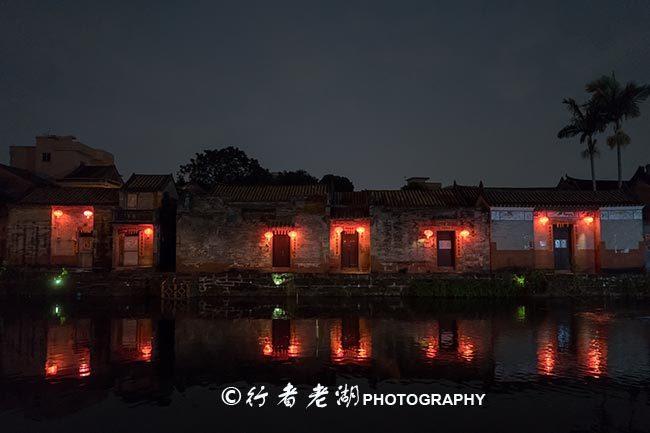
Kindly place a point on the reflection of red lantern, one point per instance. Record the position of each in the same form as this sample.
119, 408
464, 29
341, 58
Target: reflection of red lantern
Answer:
51, 369
464, 233
293, 234
145, 350
84, 369
428, 233
88, 213
57, 213
268, 236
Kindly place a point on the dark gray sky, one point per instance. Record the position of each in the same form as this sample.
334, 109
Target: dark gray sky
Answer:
374, 90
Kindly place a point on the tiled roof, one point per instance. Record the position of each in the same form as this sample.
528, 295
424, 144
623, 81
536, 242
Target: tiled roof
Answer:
15, 182
573, 183
95, 172
443, 197
72, 196
550, 197
148, 182
268, 193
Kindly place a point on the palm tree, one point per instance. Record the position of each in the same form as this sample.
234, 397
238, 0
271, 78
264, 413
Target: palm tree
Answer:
617, 103
585, 121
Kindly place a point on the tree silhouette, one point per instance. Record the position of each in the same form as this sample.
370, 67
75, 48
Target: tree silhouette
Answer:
337, 183
586, 121
617, 103
229, 165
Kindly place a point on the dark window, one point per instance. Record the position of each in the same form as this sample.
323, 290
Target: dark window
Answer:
281, 251
46, 156
446, 243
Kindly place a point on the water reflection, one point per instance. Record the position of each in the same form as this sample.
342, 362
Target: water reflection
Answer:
351, 341
147, 356
68, 349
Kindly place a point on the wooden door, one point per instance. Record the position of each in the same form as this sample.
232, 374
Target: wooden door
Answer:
562, 247
281, 251
446, 246
350, 250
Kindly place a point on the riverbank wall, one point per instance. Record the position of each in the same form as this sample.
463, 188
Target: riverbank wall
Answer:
40, 283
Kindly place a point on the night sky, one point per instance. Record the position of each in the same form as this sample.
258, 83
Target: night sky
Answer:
376, 91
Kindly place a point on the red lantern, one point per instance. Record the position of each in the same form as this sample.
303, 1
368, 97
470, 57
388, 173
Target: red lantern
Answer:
464, 233
88, 213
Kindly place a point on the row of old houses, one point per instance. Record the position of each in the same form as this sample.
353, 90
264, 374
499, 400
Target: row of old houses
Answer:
459, 229
82, 215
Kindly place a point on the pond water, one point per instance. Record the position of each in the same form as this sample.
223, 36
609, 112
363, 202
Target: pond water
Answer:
547, 366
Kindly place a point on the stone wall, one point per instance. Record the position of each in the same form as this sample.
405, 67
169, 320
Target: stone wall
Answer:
29, 236
400, 243
215, 236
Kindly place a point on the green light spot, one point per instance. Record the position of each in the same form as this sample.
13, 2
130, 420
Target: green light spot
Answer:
519, 280
58, 280
521, 312
279, 313
278, 279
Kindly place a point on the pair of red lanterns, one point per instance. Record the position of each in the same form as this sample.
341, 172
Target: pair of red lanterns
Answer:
463, 233
59, 213
292, 234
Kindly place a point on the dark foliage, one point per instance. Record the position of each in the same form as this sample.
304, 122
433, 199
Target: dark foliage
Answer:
229, 165
298, 177
337, 183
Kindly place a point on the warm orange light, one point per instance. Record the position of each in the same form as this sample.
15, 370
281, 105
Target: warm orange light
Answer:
588, 219
360, 230
293, 234
268, 236
543, 219
148, 231
464, 233
267, 350
57, 213
88, 213
338, 230
146, 350
51, 370
84, 369
466, 349
428, 233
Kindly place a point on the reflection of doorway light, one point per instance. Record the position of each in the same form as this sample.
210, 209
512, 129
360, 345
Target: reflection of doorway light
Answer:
84, 369
563, 337
466, 348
